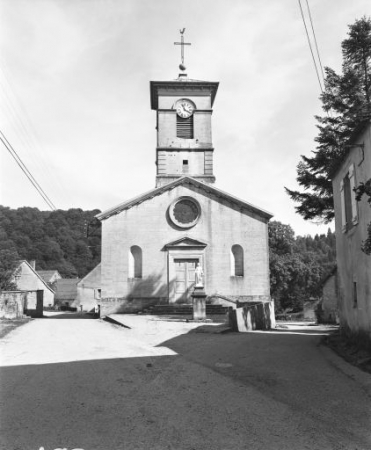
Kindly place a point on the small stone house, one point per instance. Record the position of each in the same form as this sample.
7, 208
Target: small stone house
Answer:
65, 291
89, 290
49, 276
27, 279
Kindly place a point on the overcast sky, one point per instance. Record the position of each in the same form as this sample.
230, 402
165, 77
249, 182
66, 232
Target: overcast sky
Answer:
75, 102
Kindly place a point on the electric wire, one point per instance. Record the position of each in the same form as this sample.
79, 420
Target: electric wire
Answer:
310, 47
315, 41
25, 170
18, 119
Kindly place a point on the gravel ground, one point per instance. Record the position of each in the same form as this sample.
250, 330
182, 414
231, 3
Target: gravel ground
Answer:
93, 385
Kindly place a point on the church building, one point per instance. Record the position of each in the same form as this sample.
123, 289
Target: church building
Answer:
152, 243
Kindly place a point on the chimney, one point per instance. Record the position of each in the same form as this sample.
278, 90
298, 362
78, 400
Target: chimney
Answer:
33, 264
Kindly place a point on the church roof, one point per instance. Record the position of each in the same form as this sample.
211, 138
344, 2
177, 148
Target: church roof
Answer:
178, 182
180, 83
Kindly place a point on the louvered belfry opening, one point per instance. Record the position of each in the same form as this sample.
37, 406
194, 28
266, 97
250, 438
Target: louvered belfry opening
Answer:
184, 127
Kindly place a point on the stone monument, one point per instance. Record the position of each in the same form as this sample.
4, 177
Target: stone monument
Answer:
199, 295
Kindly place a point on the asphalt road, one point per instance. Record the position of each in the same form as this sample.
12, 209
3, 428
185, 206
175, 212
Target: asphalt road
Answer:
90, 385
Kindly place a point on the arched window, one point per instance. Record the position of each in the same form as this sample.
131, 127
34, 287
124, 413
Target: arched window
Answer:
237, 261
135, 262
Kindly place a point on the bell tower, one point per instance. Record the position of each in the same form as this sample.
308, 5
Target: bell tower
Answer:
184, 141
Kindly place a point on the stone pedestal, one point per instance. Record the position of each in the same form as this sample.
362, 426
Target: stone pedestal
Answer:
199, 303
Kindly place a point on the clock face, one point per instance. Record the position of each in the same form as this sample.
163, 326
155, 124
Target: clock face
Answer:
184, 108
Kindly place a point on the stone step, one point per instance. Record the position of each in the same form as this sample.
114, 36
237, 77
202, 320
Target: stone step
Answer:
185, 309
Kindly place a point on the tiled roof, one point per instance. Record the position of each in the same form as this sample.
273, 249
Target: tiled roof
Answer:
66, 288
46, 275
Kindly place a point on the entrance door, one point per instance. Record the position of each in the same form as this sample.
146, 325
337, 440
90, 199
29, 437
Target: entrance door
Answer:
185, 279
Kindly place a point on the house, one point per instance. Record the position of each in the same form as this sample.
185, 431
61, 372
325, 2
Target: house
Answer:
351, 221
27, 279
49, 276
152, 244
65, 291
89, 290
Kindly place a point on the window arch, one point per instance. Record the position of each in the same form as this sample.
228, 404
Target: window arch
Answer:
237, 266
135, 262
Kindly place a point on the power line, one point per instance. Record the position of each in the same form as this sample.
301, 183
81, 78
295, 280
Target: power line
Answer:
20, 121
310, 47
28, 174
315, 40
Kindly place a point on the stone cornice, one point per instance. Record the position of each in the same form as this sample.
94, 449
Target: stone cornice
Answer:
182, 86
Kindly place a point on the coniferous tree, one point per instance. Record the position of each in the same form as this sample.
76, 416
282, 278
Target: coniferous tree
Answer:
344, 100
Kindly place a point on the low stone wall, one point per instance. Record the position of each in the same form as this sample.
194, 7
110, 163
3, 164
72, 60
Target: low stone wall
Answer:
253, 316
235, 300
12, 304
115, 305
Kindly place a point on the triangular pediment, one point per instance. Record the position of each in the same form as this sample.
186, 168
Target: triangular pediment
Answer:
185, 242
187, 181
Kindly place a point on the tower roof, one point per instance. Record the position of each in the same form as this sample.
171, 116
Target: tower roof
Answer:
183, 83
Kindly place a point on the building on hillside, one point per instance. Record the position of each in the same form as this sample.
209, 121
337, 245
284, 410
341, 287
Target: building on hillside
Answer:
152, 243
49, 276
27, 279
65, 292
351, 221
89, 290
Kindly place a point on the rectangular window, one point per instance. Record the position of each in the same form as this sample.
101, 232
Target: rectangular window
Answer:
355, 297
98, 293
184, 127
185, 166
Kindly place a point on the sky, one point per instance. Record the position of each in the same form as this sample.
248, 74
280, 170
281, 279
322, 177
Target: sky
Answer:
75, 103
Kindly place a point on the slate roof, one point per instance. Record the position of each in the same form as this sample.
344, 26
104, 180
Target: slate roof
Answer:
46, 275
178, 182
66, 289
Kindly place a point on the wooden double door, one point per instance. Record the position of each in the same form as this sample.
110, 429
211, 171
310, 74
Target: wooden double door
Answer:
184, 279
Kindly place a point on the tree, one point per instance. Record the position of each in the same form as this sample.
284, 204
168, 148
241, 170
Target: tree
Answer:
298, 265
365, 189
343, 99
8, 262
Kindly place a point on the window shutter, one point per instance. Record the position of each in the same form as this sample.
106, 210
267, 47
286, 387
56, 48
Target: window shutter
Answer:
343, 214
184, 127
352, 183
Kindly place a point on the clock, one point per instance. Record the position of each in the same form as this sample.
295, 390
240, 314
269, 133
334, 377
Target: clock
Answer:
184, 108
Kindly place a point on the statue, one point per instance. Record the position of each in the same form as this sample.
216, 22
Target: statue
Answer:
199, 273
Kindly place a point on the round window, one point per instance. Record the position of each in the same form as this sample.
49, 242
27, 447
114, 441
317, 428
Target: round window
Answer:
185, 212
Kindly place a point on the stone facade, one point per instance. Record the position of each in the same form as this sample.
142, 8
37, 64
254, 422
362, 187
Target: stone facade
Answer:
152, 244
222, 224
27, 279
89, 290
329, 310
351, 222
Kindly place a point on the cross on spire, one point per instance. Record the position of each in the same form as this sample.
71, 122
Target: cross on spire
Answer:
182, 44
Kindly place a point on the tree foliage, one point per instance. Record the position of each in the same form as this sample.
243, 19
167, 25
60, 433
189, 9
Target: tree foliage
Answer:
56, 240
344, 98
298, 265
365, 189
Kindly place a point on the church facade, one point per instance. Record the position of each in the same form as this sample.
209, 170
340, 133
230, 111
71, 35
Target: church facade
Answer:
152, 244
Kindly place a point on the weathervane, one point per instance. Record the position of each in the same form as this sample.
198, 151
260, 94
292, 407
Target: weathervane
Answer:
182, 43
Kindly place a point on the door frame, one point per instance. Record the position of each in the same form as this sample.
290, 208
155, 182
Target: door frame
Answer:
181, 254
